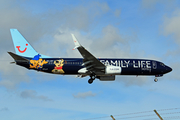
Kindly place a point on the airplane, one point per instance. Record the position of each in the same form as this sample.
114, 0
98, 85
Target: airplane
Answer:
104, 69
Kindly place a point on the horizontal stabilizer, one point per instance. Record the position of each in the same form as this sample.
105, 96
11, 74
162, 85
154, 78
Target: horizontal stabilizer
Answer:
18, 58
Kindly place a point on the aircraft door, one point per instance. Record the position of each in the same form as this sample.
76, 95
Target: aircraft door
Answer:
154, 64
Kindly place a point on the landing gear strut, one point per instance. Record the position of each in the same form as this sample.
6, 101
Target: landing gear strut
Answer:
93, 77
155, 80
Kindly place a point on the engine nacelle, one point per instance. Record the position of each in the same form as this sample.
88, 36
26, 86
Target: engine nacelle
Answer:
82, 71
107, 78
113, 70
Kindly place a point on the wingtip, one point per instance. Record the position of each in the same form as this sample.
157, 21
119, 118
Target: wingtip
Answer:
77, 44
9, 52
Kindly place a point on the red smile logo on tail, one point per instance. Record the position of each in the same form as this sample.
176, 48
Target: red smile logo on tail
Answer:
21, 51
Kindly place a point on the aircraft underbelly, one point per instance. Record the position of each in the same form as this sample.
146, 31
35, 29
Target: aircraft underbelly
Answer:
136, 71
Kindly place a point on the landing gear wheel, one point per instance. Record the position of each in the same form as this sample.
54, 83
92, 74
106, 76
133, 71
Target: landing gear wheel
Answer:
90, 81
155, 80
93, 77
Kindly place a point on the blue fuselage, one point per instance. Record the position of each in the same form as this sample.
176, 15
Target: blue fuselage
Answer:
71, 66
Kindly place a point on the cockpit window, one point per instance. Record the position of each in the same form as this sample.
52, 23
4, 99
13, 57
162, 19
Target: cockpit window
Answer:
162, 64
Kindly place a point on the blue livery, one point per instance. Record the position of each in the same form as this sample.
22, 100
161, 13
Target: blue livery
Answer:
104, 69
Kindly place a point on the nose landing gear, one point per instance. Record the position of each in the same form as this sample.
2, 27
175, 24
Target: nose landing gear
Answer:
158, 75
155, 80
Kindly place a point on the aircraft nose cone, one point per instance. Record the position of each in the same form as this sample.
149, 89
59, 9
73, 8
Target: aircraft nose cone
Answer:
168, 69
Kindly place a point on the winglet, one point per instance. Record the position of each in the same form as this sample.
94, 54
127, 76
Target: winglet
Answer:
75, 42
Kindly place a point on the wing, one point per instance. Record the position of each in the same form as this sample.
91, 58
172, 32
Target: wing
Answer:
92, 64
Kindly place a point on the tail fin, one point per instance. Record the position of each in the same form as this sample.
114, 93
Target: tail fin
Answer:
22, 47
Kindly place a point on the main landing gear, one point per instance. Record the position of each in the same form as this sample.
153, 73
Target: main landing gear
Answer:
93, 77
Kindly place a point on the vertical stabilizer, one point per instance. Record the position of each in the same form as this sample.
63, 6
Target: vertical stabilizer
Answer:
21, 45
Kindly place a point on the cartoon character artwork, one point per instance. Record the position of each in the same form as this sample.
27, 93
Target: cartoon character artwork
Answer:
58, 69
37, 62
